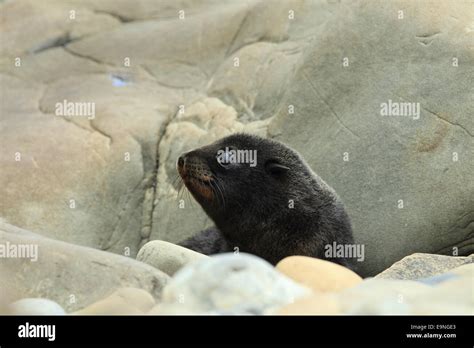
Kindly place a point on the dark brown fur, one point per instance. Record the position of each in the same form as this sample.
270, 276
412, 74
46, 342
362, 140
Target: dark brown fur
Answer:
250, 205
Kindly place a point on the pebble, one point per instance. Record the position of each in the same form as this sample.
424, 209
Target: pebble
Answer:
35, 306
319, 275
167, 257
228, 284
122, 301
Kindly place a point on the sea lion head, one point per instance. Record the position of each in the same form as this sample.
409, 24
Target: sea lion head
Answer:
243, 173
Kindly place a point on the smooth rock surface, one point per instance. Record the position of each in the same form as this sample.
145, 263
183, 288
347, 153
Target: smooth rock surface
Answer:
404, 181
319, 275
35, 306
466, 270
418, 265
167, 257
453, 296
122, 301
381, 296
71, 275
316, 304
228, 284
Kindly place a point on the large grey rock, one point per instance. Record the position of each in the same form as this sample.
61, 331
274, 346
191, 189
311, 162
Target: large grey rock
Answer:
104, 165
30, 26
228, 284
390, 159
419, 266
402, 297
454, 295
167, 257
71, 275
88, 179
83, 59
381, 296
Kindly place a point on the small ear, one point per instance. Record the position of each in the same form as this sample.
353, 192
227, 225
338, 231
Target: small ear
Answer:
276, 168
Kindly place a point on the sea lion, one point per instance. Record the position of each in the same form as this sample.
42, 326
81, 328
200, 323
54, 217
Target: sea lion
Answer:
267, 201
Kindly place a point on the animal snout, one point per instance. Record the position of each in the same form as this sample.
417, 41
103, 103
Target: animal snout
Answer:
193, 165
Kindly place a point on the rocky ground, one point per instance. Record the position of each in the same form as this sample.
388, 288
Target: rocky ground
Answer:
167, 76
169, 279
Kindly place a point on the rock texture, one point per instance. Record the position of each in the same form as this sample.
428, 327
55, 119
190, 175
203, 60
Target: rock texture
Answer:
398, 176
167, 257
124, 301
315, 304
166, 76
228, 284
454, 295
419, 266
316, 274
35, 306
382, 296
448, 293
71, 275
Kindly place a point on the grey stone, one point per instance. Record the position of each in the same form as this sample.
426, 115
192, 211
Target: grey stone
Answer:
381, 296
437, 279
122, 301
167, 257
453, 295
104, 166
35, 306
31, 26
228, 284
418, 266
338, 111
71, 275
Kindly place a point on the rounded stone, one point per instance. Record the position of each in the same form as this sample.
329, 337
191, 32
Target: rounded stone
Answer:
35, 306
319, 275
382, 296
167, 257
315, 304
122, 301
228, 284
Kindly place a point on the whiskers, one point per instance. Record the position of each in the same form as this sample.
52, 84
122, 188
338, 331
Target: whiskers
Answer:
218, 191
214, 185
183, 192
